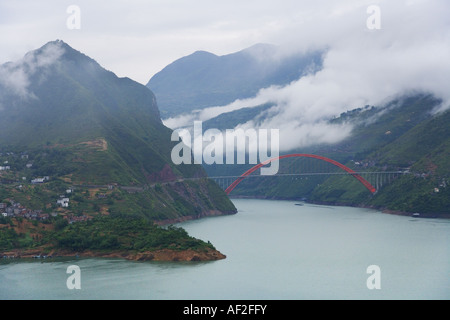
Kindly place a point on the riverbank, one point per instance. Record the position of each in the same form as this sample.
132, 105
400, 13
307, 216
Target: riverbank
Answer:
156, 255
386, 210
382, 209
104, 236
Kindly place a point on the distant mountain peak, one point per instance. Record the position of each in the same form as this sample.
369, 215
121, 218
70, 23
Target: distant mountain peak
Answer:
203, 53
56, 82
47, 54
60, 44
203, 79
56, 42
17, 76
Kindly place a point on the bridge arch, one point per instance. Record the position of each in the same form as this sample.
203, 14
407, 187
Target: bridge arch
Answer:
299, 155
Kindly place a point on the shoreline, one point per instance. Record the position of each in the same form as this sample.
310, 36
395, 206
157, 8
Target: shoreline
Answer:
206, 254
156, 255
182, 255
381, 209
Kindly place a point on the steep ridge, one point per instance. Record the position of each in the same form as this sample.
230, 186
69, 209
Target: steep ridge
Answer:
82, 125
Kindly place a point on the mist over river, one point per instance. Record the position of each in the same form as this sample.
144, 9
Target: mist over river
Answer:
275, 250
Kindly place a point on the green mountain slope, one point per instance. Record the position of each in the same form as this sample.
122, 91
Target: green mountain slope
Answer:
405, 134
82, 125
424, 150
234, 118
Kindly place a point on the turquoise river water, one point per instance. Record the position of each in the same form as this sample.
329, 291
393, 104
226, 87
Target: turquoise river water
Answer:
277, 250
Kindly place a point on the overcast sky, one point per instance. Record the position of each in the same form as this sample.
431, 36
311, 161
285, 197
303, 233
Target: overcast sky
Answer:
409, 50
137, 38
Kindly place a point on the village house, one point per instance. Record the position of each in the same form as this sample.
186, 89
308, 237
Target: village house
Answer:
40, 180
12, 209
18, 210
64, 202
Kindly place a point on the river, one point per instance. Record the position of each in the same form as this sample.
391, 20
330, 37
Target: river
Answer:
276, 250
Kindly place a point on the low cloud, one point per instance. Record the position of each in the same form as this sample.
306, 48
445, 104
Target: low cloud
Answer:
15, 77
361, 67
186, 120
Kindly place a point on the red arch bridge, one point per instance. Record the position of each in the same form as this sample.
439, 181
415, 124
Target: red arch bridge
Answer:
378, 178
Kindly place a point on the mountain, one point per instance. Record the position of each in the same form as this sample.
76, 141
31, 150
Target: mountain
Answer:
403, 134
232, 119
406, 134
68, 118
203, 79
